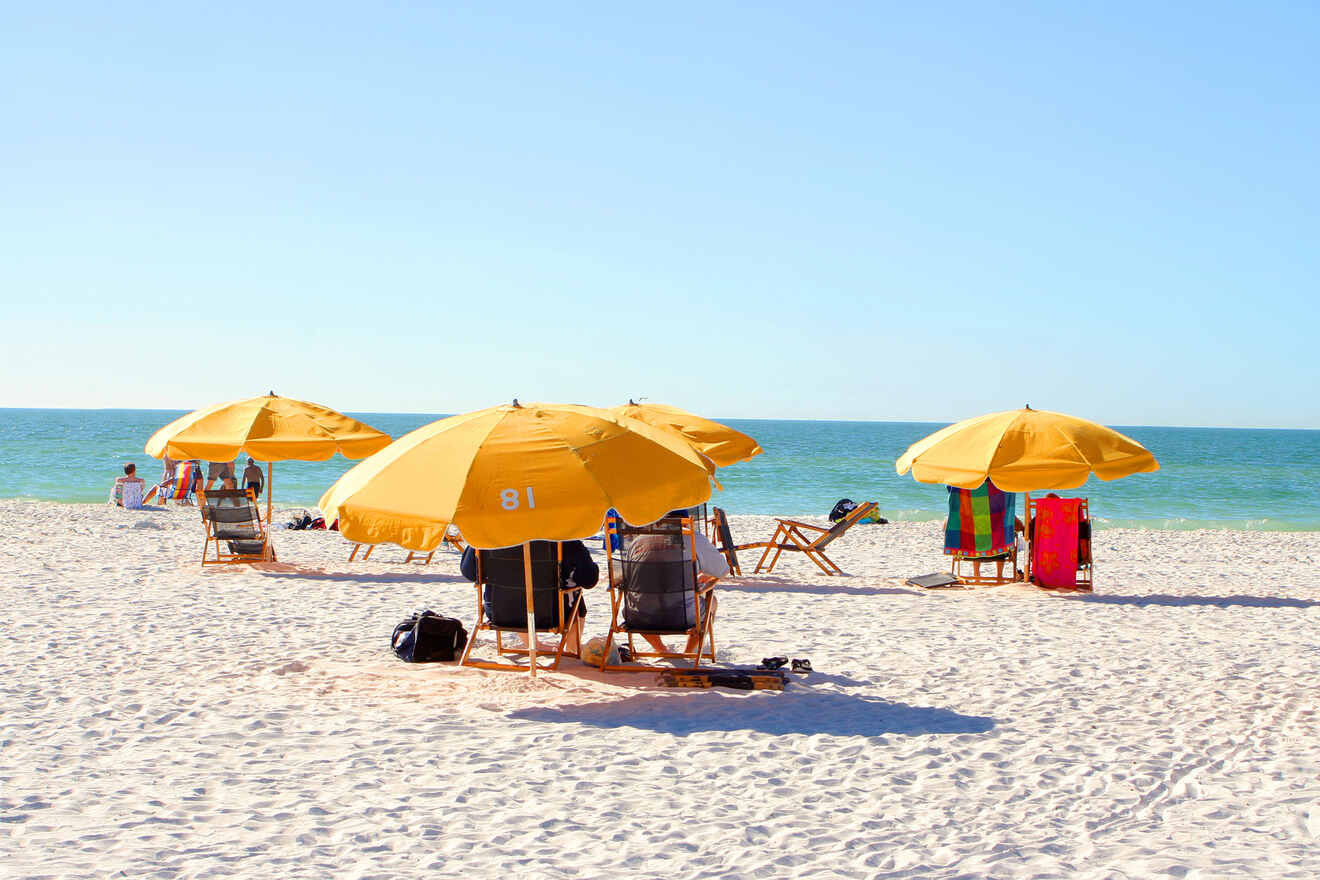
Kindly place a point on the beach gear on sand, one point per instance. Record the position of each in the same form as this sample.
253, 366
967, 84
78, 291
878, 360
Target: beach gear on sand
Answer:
807, 539
428, 638
1060, 537
1024, 450
233, 519
269, 429
773, 662
802, 666
508, 475
720, 443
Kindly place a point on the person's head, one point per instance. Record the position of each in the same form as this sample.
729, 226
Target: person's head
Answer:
251, 462
130, 469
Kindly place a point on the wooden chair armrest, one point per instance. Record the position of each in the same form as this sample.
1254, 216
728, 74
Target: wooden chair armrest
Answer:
801, 525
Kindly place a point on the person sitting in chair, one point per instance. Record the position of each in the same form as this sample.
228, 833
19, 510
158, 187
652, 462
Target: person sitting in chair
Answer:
576, 569
711, 565
127, 490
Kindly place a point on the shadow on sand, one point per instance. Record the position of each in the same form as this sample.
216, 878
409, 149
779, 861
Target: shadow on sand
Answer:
793, 711
286, 569
758, 584
1166, 600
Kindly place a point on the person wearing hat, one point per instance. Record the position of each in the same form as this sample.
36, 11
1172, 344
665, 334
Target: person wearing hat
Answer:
253, 478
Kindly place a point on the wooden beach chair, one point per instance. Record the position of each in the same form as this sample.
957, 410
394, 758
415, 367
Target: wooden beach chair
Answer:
233, 527
981, 530
421, 556
501, 576
1059, 543
722, 538
807, 539
656, 590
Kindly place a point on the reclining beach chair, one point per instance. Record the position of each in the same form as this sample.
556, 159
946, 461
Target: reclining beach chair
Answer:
656, 590
500, 573
981, 530
1059, 542
178, 488
722, 538
420, 556
233, 519
807, 539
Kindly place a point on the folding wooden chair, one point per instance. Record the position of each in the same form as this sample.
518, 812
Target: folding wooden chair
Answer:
1063, 524
501, 577
656, 590
233, 519
792, 535
722, 538
421, 556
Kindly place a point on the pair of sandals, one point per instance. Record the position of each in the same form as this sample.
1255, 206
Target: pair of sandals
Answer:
802, 666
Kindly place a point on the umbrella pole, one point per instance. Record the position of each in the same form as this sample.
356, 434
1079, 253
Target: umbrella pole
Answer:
270, 486
1026, 534
531, 606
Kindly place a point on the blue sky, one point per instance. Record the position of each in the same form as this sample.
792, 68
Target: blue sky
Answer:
792, 211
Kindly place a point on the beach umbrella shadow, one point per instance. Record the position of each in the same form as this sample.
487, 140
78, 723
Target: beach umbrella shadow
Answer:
805, 712
1170, 601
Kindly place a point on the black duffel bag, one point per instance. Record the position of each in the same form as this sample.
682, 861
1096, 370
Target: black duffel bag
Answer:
429, 638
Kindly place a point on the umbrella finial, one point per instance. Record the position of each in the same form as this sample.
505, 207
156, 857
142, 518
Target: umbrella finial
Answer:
516, 403
272, 393
1028, 406
632, 402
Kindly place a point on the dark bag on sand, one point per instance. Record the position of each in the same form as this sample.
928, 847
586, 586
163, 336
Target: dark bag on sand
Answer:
429, 638
842, 508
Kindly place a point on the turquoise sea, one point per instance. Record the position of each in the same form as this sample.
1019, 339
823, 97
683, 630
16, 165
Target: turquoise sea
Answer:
1209, 477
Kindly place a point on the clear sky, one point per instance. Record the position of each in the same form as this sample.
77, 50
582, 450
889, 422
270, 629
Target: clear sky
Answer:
786, 211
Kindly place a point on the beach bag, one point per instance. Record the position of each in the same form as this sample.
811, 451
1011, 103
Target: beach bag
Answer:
429, 638
842, 508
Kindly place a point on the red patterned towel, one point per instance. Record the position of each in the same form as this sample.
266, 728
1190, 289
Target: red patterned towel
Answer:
1054, 545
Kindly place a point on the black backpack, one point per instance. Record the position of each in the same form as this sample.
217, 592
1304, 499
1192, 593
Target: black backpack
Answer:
429, 638
842, 508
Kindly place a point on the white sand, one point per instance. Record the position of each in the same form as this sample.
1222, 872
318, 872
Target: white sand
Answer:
164, 721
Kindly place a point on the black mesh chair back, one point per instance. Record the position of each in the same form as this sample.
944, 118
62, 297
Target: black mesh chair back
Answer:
233, 517
658, 576
504, 577
725, 537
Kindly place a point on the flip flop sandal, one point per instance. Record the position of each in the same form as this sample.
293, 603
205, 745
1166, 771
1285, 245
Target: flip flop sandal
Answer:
802, 666
772, 662
625, 655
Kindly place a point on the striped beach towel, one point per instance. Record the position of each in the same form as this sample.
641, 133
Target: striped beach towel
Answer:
181, 489
980, 521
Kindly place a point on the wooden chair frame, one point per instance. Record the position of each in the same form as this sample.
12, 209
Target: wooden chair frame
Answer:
224, 556
421, 556
1085, 576
791, 535
703, 630
567, 622
1008, 558
722, 538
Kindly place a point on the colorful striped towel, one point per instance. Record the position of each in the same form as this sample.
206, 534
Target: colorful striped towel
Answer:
181, 490
980, 521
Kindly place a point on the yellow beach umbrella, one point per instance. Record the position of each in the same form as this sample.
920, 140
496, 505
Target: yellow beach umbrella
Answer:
509, 475
269, 429
1025, 450
720, 443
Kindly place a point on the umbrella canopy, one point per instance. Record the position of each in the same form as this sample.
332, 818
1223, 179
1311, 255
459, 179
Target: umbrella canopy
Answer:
512, 474
1025, 450
268, 428
720, 443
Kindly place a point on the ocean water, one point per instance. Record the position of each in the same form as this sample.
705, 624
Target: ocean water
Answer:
1209, 477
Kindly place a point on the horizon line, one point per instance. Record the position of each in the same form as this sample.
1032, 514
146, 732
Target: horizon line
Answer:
731, 418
